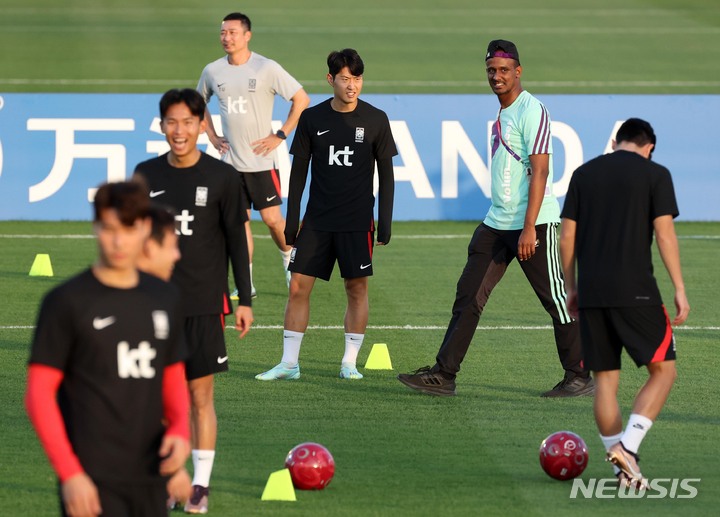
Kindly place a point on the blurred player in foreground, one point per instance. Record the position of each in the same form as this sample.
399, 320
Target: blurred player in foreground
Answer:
613, 206
159, 255
345, 138
210, 217
106, 368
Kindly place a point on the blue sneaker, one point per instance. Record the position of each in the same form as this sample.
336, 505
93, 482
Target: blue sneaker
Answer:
349, 371
281, 372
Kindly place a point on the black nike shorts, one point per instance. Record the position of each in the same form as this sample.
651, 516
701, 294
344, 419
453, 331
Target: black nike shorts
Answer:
141, 500
644, 332
205, 337
315, 253
262, 189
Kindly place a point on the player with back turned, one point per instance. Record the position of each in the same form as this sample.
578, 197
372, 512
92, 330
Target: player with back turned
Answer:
210, 217
614, 205
344, 138
106, 368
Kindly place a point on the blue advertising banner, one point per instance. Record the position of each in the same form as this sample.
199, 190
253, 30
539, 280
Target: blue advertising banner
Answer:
56, 148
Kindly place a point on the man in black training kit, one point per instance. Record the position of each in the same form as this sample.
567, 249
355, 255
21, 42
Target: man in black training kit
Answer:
106, 368
211, 223
521, 223
344, 137
614, 205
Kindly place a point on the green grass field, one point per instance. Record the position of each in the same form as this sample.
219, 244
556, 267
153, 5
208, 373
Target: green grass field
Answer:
397, 452
409, 46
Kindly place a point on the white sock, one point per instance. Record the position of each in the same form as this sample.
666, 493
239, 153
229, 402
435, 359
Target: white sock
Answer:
291, 346
353, 342
286, 257
635, 431
609, 441
202, 466
252, 286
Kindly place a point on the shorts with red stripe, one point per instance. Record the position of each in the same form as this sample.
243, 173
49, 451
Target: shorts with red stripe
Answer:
315, 253
643, 331
262, 189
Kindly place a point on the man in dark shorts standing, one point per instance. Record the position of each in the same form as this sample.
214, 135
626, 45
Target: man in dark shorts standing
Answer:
344, 137
245, 84
613, 206
210, 216
106, 368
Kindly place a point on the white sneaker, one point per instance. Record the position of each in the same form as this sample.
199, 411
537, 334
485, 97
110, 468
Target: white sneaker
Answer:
280, 372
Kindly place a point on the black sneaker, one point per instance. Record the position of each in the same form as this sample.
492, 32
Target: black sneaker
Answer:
426, 381
572, 387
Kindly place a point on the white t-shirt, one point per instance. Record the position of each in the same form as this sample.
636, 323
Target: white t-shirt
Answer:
246, 94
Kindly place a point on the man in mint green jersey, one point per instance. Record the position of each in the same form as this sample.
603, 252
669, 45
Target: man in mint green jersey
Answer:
522, 222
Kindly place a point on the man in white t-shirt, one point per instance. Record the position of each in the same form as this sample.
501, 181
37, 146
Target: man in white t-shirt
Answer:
246, 84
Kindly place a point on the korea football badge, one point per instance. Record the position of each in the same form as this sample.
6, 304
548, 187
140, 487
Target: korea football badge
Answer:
201, 196
252, 85
359, 134
161, 324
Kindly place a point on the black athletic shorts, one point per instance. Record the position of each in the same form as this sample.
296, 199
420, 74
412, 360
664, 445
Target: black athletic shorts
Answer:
262, 189
644, 332
205, 337
121, 500
315, 253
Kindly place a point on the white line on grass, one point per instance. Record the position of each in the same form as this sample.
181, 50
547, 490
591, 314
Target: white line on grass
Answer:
19, 81
391, 327
409, 237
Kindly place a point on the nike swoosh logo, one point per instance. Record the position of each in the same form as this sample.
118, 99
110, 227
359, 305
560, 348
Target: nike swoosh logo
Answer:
220, 85
270, 198
365, 266
101, 323
156, 193
321, 133
222, 360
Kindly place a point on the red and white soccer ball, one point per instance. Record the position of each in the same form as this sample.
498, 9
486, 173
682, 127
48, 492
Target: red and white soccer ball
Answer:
563, 455
311, 466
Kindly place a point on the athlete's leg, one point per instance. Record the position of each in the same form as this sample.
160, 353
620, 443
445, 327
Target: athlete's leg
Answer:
203, 424
358, 308
274, 220
486, 264
652, 396
545, 275
297, 310
605, 405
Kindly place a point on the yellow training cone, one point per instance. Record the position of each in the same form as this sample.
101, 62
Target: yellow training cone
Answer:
41, 266
379, 358
279, 487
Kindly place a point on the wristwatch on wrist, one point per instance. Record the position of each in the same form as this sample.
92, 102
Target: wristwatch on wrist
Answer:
281, 134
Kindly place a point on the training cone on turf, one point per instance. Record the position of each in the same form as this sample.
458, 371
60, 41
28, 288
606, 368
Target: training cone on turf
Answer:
379, 358
41, 266
279, 487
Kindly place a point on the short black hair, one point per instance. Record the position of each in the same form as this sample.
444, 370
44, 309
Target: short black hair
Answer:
241, 18
191, 98
162, 219
637, 131
130, 199
348, 57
